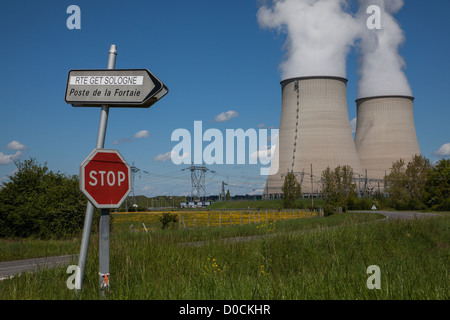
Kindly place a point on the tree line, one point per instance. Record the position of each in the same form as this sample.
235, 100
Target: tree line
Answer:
36, 202
416, 185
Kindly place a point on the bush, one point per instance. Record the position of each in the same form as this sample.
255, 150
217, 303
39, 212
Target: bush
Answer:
328, 210
167, 219
37, 202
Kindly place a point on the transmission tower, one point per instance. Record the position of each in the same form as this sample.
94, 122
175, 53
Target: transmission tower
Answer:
296, 174
134, 170
198, 174
222, 194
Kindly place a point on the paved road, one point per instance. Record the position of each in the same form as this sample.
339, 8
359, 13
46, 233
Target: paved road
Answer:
393, 215
12, 268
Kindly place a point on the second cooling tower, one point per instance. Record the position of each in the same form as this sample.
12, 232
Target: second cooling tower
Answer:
314, 132
385, 133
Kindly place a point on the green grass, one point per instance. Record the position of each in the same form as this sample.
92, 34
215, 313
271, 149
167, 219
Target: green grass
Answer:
33, 248
264, 204
326, 263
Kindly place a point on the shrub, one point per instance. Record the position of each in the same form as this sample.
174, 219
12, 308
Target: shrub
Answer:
328, 210
38, 202
167, 219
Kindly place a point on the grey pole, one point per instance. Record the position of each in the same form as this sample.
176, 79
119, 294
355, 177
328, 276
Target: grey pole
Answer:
90, 208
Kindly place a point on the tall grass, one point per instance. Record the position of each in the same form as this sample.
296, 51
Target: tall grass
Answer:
35, 248
326, 263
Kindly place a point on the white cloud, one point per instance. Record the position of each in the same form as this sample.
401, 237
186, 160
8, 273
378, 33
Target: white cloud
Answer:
141, 134
225, 116
353, 125
444, 150
264, 154
7, 159
170, 156
138, 135
123, 140
163, 157
16, 145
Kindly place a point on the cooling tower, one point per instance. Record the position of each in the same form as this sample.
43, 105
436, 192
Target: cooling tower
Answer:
314, 132
385, 133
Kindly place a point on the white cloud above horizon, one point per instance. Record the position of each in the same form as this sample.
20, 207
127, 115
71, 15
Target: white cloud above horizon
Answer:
7, 159
138, 135
16, 145
226, 116
141, 134
163, 157
443, 151
264, 154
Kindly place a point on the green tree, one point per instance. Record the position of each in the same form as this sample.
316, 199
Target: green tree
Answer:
338, 188
291, 190
38, 202
228, 195
406, 183
437, 187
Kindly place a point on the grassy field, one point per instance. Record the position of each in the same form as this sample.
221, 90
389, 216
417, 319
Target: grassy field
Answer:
263, 204
201, 218
318, 258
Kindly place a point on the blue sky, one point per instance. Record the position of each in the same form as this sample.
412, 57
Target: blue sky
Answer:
214, 58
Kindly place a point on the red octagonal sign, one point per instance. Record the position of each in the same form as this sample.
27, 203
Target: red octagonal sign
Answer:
105, 178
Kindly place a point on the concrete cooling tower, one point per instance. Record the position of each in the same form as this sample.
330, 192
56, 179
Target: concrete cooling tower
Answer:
314, 132
385, 133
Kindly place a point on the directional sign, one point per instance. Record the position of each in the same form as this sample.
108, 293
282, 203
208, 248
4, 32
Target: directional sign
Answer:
114, 88
105, 178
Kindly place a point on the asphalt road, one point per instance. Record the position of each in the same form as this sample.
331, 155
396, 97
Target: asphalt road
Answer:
12, 268
392, 215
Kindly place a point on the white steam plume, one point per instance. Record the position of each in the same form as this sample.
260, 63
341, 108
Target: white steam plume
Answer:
320, 34
381, 65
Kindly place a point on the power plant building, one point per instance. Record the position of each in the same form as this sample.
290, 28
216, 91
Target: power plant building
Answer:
314, 132
385, 133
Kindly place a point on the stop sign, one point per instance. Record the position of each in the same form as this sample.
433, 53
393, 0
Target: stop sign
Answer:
105, 178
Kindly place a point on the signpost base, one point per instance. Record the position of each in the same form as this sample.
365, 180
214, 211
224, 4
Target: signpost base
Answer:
104, 251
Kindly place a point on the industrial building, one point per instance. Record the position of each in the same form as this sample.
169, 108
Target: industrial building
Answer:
315, 133
385, 133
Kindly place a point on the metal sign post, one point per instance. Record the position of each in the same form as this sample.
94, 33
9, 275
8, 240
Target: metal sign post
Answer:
138, 88
104, 213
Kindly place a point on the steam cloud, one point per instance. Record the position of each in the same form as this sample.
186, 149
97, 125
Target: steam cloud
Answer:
320, 34
381, 66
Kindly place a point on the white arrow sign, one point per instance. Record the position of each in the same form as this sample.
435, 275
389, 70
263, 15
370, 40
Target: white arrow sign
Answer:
115, 88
